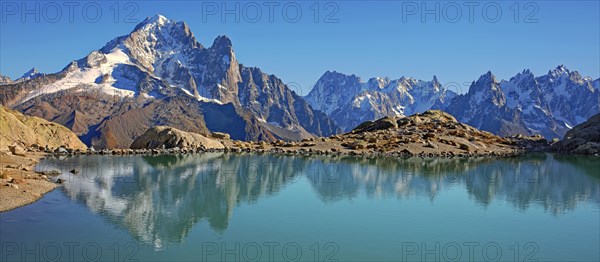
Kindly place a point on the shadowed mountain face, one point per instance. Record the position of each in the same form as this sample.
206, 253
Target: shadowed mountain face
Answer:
160, 198
160, 75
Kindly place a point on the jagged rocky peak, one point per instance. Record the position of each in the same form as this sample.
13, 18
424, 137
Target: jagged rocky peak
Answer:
435, 81
223, 42
378, 83
5, 79
559, 71
70, 67
31, 74
525, 79
562, 71
155, 19
332, 90
154, 40
487, 78
485, 83
223, 48
334, 76
525, 74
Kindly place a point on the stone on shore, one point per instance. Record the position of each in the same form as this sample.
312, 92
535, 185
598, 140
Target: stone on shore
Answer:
17, 150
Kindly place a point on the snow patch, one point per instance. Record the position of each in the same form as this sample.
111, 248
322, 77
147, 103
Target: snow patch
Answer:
99, 78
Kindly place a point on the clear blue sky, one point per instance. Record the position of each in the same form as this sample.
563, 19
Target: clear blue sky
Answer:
366, 38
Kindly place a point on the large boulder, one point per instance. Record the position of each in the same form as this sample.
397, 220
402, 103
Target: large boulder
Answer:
380, 124
17, 150
582, 139
169, 137
16, 128
220, 135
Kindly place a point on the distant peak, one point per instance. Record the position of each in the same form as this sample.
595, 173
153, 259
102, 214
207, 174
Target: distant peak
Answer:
558, 71
562, 68
488, 77
156, 19
222, 40
32, 73
33, 70
336, 74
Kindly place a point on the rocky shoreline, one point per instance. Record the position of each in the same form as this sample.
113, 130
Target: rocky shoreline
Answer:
432, 134
21, 185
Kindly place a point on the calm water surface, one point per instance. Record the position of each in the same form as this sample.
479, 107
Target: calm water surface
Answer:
214, 207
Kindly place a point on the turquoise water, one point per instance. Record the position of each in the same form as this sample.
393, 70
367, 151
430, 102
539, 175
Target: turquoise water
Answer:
216, 207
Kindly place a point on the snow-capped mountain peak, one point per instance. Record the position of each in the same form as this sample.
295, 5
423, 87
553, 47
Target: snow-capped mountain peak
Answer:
558, 72
547, 105
153, 22
161, 63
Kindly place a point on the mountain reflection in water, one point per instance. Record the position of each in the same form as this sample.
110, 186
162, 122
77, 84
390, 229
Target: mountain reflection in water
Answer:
160, 198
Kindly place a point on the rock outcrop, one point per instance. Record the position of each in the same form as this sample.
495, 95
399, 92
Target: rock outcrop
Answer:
18, 129
169, 137
433, 131
582, 139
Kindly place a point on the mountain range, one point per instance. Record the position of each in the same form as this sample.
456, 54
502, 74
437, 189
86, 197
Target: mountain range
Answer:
350, 101
159, 74
525, 104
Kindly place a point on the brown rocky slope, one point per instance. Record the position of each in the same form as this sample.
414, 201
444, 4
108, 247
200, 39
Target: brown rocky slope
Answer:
27, 131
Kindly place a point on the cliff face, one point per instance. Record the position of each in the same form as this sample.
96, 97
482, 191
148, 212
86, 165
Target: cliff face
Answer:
582, 139
16, 128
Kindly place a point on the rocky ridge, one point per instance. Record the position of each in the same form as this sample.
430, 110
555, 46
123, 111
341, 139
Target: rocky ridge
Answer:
582, 139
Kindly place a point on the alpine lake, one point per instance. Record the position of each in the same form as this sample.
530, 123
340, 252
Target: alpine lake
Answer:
261, 207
